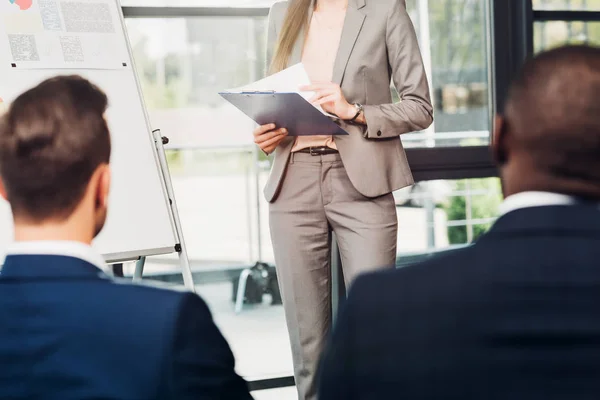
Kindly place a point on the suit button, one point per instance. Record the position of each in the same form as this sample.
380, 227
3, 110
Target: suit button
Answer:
378, 133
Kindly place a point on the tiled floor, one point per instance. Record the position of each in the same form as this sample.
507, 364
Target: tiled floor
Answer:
258, 335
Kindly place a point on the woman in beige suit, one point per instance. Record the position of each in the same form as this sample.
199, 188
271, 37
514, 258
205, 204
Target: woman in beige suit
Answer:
351, 50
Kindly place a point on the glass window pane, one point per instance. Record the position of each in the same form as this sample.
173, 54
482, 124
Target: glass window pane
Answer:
441, 215
453, 38
566, 4
552, 34
185, 62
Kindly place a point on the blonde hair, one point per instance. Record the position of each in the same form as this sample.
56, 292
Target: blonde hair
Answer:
295, 22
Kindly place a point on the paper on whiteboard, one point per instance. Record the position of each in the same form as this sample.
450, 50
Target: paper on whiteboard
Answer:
50, 15
288, 80
74, 34
23, 48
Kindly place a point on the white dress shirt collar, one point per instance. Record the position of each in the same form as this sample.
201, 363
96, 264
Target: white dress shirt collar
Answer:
58, 248
535, 199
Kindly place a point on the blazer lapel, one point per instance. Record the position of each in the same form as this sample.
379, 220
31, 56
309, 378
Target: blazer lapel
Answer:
352, 25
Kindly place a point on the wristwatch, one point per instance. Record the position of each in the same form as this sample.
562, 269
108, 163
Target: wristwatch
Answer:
359, 109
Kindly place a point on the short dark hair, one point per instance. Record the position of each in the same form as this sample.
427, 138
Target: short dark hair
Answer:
52, 139
553, 112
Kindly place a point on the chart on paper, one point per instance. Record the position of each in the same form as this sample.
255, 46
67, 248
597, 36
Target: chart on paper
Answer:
22, 4
56, 34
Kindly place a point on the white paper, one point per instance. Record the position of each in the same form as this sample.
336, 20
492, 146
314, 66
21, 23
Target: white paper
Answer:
87, 17
288, 80
56, 34
71, 48
50, 15
23, 47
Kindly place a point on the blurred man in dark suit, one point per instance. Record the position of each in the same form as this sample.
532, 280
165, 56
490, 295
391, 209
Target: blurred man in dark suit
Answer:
517, 315
67, 330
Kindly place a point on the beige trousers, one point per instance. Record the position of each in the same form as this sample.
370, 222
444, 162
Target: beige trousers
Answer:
317, 197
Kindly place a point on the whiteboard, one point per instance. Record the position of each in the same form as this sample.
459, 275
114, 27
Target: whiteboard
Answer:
88, 38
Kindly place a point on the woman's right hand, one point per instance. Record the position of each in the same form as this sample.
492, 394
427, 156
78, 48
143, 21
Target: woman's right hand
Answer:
268, 138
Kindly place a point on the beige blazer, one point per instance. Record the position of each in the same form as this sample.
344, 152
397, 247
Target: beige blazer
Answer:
378, 45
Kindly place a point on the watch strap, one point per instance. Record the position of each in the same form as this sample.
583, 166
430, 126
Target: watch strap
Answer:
359, 108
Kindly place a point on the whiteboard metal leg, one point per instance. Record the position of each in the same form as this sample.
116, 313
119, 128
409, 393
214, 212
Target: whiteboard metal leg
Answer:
257, 192
186, 270
139, 269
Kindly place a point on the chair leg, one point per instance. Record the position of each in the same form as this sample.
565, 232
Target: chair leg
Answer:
241, 292
117, 270
139, 269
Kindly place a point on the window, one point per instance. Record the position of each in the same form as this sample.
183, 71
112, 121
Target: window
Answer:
566, 5
552, 34
184, 61
441, 215
453, 39
561, 22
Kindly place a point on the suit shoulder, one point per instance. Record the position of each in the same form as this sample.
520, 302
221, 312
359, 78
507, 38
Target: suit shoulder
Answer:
387, 4
278, 9
382, 11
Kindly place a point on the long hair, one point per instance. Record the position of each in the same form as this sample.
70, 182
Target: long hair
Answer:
296, 21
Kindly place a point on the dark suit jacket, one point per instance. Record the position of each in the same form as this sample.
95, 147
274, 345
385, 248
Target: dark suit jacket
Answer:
67, 331
515, 316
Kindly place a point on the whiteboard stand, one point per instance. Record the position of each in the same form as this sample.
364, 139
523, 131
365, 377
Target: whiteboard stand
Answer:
180, 247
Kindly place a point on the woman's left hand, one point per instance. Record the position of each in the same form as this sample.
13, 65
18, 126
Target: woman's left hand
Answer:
330, 97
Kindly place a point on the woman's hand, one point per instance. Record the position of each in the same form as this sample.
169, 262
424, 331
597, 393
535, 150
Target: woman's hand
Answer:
268, 138
330, 97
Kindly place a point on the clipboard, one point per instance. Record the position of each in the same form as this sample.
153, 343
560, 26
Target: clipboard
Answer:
285, 110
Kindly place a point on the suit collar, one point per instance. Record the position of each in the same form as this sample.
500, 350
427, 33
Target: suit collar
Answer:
58, 248
39, 266
353, 24
580, 217
535, 199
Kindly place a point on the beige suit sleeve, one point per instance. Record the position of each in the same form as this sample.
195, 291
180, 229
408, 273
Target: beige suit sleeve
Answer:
271, 36
414, 111
271, 42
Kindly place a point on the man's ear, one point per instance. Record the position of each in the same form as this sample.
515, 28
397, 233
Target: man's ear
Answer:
3, 193
103, 186
499, 150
